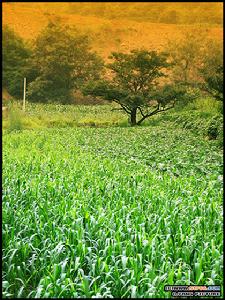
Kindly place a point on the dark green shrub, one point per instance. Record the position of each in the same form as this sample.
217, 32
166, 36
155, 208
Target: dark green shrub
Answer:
215, 127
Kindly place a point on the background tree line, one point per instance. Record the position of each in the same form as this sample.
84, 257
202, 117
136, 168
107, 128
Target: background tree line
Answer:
61, 61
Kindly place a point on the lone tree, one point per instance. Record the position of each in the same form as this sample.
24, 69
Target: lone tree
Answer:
133, 84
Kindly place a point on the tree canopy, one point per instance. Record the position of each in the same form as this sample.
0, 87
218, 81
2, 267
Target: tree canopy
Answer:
14, 58
62, 60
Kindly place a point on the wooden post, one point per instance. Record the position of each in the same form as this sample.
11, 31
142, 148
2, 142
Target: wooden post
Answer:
24, 93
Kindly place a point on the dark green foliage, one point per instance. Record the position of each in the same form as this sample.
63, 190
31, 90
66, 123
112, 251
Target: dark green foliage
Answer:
61, 62
201, 123
138, 71
15, 54
178, 93
215, 128
105, 90
212, 132
41, 90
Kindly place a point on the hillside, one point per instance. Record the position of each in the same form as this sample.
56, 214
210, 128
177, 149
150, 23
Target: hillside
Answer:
106, 34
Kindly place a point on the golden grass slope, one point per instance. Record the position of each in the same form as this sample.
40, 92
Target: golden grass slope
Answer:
28, 19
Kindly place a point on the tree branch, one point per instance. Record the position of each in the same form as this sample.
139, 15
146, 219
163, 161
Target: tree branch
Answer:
125, 108
154, 112
141, 111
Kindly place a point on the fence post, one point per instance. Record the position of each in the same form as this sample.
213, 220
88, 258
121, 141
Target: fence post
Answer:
24, 94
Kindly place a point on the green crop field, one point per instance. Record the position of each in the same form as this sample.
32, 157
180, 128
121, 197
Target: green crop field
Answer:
110, 212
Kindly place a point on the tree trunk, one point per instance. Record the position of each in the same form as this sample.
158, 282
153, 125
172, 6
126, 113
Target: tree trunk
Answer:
133, 116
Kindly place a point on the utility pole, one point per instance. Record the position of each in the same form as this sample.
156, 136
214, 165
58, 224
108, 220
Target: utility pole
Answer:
24, 93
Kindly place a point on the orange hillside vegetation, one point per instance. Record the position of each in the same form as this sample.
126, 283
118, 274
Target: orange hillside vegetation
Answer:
28, 19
